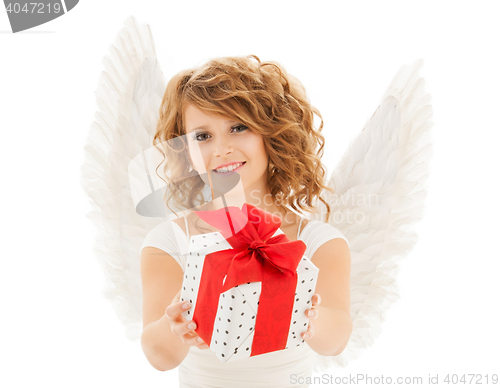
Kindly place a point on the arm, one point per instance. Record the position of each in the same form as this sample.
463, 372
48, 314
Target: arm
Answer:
332, 325
161, 279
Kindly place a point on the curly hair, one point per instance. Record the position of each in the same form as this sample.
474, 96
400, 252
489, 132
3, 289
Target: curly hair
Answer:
263, 97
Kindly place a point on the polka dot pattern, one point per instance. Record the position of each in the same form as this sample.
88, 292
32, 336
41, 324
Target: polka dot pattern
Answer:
199, 246
307, 276
235, 320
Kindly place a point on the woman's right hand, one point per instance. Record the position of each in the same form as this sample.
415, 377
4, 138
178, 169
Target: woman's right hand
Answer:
180, 326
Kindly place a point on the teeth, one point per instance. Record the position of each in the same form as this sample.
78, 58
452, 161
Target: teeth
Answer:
228, 168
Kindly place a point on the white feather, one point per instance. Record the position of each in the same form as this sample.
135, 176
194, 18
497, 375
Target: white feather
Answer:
128, 97
383, 177
389, 160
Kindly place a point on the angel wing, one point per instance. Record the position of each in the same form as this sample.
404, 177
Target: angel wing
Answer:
128, 96
380, 188
380, 180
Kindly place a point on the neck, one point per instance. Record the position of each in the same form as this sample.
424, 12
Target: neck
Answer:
260, 197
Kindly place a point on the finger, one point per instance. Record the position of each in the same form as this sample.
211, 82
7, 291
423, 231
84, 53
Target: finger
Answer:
181, 329
174, 310
203, 346
316, 300
192, 339
312, 313
309, 333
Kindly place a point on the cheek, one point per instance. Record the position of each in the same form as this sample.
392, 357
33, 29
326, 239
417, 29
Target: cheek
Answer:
199, 157
254, 146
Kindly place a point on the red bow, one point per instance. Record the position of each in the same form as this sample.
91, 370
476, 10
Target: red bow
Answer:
256, 257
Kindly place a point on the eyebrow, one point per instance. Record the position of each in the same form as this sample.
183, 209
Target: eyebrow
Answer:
206, 127
203, 127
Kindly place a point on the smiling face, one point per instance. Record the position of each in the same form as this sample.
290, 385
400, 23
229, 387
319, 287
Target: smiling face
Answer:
224, 142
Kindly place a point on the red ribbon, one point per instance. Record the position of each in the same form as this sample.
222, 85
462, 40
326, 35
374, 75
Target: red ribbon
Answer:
256, 257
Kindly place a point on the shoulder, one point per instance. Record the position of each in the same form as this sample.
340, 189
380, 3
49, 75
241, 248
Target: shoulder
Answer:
166, 228
317, 234
319, 230
329, 239
167, 237
332, 250
337, 249
157, 232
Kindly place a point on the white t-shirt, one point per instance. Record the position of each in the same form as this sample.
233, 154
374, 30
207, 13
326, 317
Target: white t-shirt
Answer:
202, 368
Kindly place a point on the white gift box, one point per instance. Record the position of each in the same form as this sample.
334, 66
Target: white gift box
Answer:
234, 324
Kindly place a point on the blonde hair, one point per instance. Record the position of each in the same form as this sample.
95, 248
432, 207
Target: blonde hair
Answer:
266, 99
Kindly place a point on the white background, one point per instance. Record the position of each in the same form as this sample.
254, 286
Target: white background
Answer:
59, 331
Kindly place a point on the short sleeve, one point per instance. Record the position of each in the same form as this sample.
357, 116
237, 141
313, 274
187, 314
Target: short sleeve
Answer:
316, 233
169, 237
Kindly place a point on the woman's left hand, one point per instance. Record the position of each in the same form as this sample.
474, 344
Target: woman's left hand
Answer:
312, 313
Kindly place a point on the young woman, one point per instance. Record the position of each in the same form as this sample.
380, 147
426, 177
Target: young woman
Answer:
255, 118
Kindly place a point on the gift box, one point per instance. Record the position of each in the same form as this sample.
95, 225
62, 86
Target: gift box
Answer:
249, 285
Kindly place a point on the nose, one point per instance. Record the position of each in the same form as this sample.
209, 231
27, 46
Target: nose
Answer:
223, 147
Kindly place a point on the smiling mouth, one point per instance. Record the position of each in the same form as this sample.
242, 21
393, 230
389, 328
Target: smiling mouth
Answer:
226, 171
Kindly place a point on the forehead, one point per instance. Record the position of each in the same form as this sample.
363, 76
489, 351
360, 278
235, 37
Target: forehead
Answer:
196, 118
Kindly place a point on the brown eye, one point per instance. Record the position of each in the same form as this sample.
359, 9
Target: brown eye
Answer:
240, 128
201, 134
